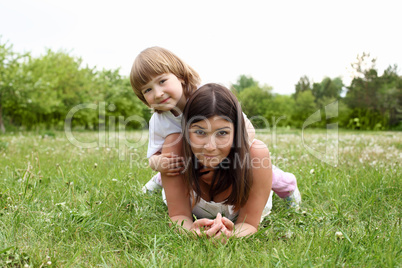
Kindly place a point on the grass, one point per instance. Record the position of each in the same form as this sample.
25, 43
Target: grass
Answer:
62, 206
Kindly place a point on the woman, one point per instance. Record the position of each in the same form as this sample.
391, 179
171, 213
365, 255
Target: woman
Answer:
224, 174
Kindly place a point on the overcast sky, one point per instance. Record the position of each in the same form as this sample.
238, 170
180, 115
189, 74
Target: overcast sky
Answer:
276, 42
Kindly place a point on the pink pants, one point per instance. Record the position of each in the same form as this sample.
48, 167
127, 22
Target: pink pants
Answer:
283, 183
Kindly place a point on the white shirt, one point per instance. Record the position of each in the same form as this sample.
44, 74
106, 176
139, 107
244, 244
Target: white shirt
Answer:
160, 126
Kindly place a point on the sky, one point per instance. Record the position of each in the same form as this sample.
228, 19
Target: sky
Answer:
275, 42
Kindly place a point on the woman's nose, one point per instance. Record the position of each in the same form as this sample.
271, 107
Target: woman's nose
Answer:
210, 144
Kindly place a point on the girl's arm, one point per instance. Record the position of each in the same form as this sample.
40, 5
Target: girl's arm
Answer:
250, 214
166, 163
169, 164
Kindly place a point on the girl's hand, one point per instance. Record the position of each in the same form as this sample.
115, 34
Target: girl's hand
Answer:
206, 227
167, 163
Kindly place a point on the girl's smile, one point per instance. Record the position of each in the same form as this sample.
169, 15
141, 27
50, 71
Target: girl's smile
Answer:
165, 100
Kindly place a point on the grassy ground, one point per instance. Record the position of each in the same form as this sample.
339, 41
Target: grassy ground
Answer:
64, 206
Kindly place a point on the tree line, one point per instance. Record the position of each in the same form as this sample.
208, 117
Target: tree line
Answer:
370, 102
39, 92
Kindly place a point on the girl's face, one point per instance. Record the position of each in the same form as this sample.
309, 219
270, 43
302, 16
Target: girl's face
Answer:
165, 93
211, 140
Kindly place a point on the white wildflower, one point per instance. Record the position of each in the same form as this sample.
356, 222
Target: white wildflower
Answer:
289, 234
339, 235
312, 171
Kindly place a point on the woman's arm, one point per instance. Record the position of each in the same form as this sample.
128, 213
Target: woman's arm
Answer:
250, 214
240, 229
177, 195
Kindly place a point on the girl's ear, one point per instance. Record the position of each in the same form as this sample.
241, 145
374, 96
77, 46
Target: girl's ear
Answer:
183, 85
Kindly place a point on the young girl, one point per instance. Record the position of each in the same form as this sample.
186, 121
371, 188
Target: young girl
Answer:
164, 82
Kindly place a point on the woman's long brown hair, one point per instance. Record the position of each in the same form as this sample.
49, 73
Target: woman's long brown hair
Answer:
216, 100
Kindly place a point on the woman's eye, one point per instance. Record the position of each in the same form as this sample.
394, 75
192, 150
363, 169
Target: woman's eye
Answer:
199, 132
222, 133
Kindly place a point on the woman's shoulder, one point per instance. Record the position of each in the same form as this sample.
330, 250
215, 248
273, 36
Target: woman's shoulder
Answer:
259, 148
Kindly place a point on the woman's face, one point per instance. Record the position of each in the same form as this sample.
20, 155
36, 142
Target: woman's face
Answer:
211, 140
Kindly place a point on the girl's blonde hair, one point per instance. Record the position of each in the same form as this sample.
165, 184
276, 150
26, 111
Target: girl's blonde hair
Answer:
155, 61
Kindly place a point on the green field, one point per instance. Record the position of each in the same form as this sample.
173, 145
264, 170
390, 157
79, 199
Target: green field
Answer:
63, 206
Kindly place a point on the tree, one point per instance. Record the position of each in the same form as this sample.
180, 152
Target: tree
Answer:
279, 110
244, 82
255, 101
362, 91
304, 107
119, 96
375, 100
390, 96
9, 66
302, 85
330, 88
54, 83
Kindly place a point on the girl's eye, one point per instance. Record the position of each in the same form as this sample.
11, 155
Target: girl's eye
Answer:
162, 81
146, 90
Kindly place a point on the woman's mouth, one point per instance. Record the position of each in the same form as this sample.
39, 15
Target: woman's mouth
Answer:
204, 173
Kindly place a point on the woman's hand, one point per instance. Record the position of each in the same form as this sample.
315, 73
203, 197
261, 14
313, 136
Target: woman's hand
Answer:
228, 226
221, 228
226, 231
206, 227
